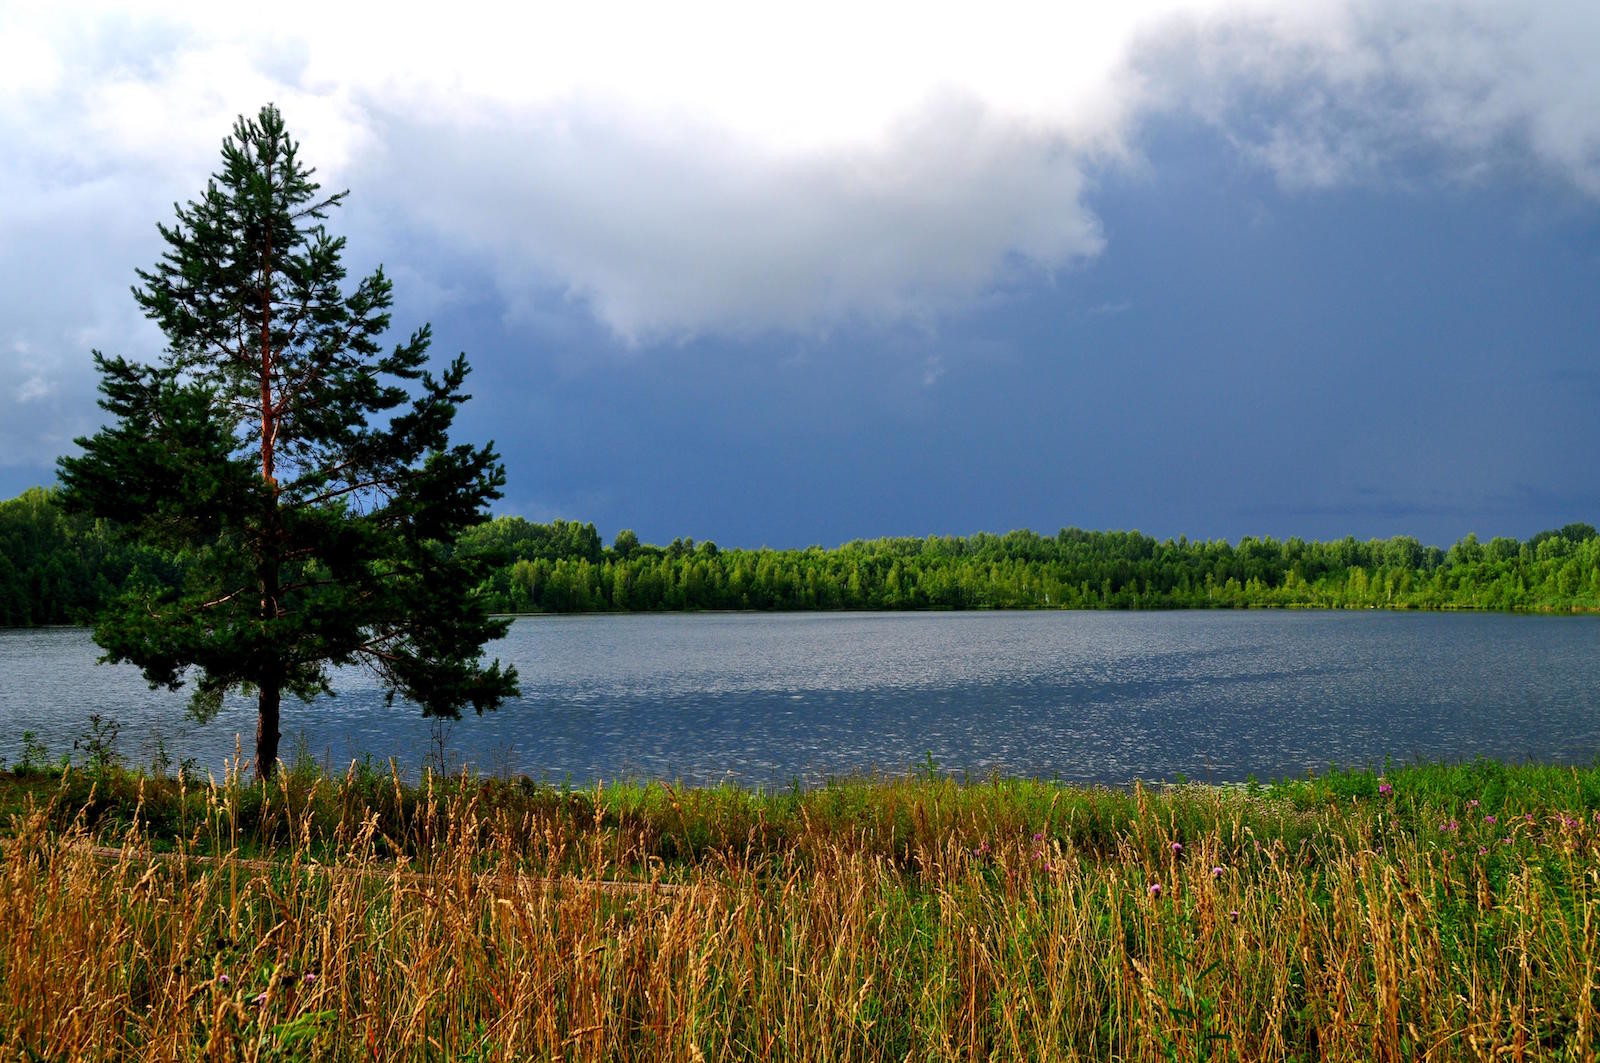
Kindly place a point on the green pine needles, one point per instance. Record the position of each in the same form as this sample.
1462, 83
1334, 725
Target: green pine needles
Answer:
303, 478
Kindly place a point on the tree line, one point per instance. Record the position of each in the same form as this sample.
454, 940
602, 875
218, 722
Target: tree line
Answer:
58, 568
563, 568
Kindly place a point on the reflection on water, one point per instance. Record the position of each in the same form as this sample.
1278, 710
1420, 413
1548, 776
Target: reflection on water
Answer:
769, 698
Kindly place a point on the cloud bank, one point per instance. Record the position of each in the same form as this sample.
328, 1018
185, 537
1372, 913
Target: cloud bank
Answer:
730, 169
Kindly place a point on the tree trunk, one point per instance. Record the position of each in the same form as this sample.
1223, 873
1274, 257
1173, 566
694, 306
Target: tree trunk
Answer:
271, 544
267, 731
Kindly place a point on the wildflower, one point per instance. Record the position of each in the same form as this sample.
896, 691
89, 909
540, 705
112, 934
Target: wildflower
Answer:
1489, 819
1217, 872
1177, 847
1384, 789
1233, 915
1155, 890
1483, 850
1450, 825
1527, 817
224, 979
1038, 836
1473, 803
310, 979
259, 1000
1506, 840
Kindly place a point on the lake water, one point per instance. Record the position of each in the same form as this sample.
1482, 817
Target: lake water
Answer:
770, 698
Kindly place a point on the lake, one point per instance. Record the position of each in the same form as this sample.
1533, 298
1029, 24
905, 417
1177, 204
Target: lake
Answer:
766, 699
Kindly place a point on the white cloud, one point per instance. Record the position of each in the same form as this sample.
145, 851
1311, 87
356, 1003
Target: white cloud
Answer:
35, 387
736, 168
689, 232
1324, 93
722, 167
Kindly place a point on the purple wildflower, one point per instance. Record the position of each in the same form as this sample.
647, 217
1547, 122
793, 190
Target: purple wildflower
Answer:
310, 979
1177, 847
1489, 819
1473, 803
1217, 872
1038, 836
1385, 789
1233, 915
259, 999
224, 979
1483, 850
1450, 825
1155, 889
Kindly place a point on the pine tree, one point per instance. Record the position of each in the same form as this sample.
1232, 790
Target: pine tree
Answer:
303, 478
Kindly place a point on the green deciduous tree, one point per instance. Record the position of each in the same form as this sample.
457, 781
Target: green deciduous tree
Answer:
303, 477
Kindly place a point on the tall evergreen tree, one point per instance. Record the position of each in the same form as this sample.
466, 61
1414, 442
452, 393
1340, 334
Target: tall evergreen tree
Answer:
312, 499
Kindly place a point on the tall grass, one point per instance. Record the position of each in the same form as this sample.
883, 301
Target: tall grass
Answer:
915, 918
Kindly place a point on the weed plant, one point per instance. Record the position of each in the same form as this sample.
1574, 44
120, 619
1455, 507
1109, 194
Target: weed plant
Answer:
1439, 912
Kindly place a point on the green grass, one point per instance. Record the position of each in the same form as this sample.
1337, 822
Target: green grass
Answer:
891, 816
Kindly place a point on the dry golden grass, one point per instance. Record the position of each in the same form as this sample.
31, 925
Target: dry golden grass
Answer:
501, 934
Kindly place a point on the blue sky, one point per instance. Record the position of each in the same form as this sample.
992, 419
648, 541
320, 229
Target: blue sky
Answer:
1207, 269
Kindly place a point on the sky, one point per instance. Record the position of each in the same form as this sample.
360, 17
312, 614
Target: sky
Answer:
783, 274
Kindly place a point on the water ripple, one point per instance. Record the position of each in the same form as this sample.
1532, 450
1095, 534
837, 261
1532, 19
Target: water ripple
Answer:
765, 699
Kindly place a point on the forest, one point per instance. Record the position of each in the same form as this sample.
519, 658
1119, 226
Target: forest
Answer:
57, 567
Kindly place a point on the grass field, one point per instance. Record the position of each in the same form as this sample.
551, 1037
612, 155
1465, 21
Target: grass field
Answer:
1440, 912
